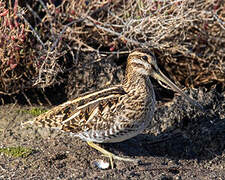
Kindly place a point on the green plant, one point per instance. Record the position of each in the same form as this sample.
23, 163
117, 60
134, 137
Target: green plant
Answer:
16, 151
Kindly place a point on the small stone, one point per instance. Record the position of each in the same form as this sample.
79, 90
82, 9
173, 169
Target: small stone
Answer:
101, 164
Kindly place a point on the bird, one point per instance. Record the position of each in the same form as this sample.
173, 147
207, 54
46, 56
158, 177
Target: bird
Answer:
116, 113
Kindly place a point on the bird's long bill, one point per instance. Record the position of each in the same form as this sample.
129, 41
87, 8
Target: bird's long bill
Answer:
158, 75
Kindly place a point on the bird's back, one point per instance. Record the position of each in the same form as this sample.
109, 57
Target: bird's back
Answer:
108, 115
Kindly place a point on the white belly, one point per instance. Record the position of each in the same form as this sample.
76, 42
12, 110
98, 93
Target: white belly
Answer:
123, 137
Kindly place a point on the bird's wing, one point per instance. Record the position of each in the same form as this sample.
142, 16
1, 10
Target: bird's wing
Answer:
83, 113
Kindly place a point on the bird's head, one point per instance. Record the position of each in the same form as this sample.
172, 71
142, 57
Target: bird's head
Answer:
143, 62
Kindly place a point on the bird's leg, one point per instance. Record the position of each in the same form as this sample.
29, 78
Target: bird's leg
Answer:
110, 155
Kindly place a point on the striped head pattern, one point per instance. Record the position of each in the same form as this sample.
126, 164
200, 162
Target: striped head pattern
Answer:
141, 62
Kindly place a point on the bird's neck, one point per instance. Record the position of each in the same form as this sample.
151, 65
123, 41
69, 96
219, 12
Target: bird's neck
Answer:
138, 82
141, 97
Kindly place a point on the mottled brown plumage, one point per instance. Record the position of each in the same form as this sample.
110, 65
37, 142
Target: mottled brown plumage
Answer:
113, 114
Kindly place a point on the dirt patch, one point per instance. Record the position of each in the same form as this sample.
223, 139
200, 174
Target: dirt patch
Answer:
183, 143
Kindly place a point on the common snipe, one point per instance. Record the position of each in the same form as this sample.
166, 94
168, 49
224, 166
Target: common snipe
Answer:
113, 114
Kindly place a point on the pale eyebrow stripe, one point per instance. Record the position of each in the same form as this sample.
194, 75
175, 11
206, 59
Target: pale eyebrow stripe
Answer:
138, 61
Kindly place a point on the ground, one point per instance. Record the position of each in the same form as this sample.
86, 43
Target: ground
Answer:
182, 143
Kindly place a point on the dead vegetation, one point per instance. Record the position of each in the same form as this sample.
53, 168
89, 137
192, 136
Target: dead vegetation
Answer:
43, 40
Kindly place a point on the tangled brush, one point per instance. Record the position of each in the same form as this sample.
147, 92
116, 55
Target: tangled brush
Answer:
187, 36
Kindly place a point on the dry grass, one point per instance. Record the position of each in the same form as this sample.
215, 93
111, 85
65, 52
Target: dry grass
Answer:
187, 36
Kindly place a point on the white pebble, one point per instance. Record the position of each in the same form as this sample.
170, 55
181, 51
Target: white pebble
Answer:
101, 164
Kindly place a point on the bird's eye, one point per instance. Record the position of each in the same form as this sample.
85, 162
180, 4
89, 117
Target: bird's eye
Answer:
145, 58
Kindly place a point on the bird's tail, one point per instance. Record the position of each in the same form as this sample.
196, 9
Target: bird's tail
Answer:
42, 123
